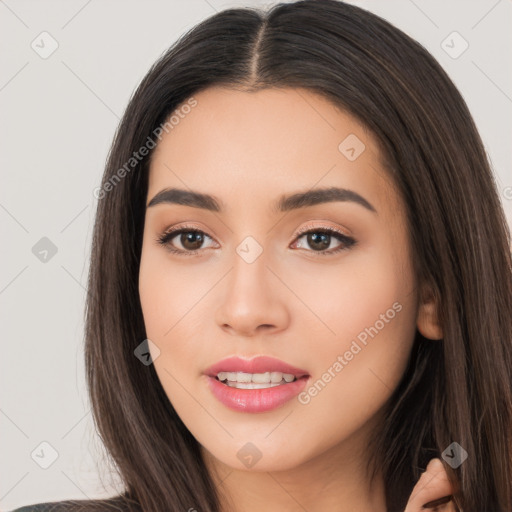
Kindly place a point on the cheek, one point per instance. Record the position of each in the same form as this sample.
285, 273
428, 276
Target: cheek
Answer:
372, 309
169, 298
340, 301
174, 298
168, 289
166, 296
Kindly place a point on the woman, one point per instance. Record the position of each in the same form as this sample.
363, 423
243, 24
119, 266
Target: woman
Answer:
300, 283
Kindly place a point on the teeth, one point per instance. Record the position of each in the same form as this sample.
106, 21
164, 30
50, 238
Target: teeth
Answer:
242, 377
259, 380
252, 385
276, 377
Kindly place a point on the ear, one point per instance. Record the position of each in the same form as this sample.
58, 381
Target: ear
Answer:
427, 321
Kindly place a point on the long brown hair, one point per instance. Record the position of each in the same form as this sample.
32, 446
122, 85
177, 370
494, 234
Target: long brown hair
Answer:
456, 390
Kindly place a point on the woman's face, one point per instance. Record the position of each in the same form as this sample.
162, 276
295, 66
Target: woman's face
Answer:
342, 308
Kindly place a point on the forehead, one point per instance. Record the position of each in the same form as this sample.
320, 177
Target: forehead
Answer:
237, 145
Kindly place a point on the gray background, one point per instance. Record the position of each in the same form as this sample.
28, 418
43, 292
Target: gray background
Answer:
58, 118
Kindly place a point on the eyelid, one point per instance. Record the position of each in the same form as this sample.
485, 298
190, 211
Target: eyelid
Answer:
182, 227
299, 232
309, 227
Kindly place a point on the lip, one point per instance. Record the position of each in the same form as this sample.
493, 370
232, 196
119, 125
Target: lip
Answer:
255, 400
260, 364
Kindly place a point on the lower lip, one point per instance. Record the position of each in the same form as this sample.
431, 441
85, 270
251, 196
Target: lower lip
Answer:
256, 400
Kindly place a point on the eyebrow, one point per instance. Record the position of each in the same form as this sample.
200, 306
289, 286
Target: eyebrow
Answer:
283, 204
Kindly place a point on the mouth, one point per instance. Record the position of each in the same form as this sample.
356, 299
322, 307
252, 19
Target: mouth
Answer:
255, 385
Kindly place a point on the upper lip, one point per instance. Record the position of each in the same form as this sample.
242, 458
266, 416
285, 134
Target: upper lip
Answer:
260, 364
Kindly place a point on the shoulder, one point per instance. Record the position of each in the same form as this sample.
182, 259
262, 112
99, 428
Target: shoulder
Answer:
116, 504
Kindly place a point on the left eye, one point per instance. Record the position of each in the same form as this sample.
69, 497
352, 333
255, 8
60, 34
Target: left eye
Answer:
319, 239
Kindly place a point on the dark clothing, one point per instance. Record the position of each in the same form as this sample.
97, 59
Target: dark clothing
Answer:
116, 504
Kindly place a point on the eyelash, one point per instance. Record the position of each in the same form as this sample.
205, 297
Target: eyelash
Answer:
347, 242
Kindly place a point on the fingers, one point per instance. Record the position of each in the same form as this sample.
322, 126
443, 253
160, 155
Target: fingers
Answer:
437, 505
433, 491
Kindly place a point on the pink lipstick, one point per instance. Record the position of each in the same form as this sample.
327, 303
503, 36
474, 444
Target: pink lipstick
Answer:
255, 385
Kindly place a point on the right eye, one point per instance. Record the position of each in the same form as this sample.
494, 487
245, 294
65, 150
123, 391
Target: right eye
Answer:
190, 239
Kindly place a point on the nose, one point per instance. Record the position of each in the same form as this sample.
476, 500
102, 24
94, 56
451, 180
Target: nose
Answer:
252, 300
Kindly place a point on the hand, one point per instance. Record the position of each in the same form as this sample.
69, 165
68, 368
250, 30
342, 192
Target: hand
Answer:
434, 490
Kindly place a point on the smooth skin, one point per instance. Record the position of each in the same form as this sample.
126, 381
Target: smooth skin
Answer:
292, 303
